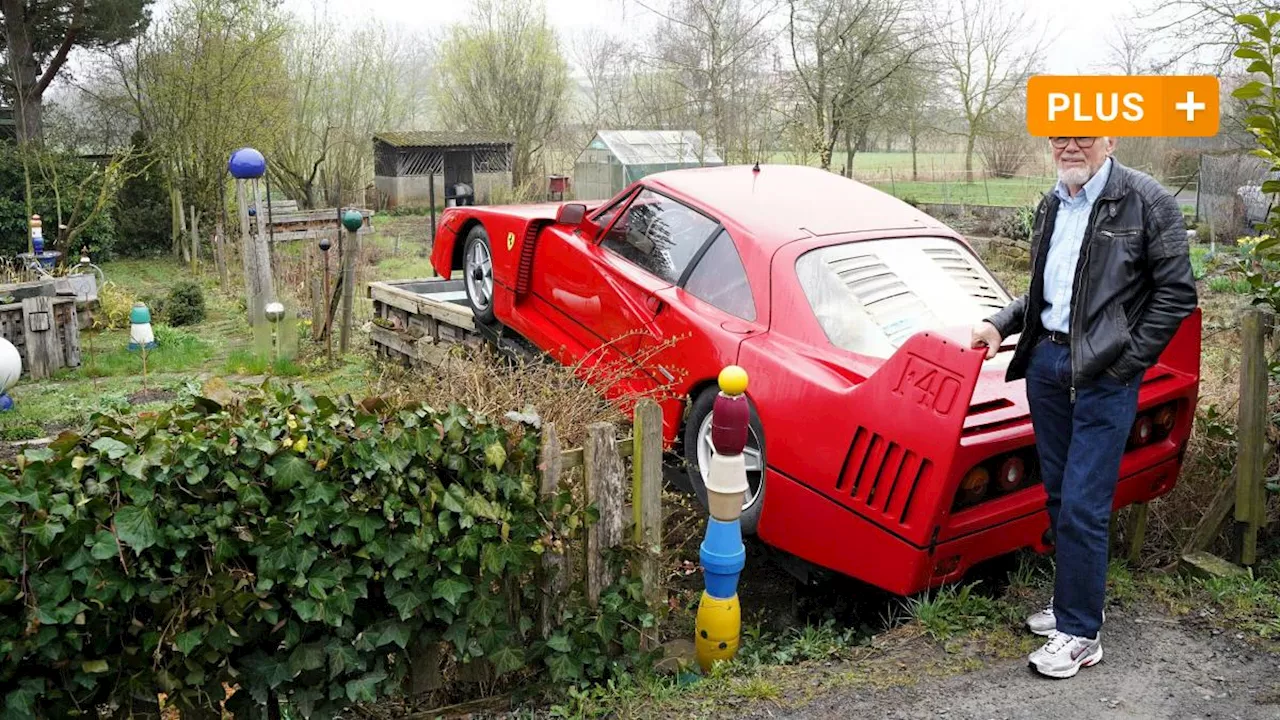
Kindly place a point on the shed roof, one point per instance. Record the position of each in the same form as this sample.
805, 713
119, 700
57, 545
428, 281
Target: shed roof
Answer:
646, 147
440, 138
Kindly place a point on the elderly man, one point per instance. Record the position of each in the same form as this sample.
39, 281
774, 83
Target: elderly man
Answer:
1111, 283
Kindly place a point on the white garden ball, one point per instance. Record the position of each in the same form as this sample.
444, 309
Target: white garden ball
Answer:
10, 365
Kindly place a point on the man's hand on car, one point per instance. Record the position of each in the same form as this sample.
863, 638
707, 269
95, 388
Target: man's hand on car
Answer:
986, 335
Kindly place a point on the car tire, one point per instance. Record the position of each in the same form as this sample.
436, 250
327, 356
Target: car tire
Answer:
699, 413
477, 274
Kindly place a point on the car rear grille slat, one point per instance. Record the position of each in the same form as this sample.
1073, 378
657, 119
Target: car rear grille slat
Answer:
961, 269
879, 476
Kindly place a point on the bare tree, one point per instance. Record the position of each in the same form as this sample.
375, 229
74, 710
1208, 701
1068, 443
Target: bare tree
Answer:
989, 53
504, 73
1201, 35
713, 53
845, 52
912, 103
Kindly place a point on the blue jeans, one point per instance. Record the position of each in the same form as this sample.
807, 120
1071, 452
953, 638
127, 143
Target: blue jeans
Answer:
1080, 447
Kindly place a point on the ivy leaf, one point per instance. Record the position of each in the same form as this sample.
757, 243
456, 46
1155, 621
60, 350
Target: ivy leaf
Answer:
189, 640
136, 466
392, 631
104, 545
495, 455
563, 668
94, 667
368, 526
306, 657
44, 532
559, 642
405, 601
36, 455
450, 590
291, 470
507, 659
365, 687
136, 527
112, 448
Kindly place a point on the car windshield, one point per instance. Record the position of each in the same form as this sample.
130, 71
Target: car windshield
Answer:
869, 296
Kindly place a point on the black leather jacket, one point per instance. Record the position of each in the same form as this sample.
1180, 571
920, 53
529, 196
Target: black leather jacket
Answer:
1133, 284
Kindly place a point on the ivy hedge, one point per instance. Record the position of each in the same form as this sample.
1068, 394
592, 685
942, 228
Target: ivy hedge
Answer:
292, 547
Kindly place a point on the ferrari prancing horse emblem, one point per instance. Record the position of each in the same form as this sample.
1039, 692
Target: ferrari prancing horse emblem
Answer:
511, 240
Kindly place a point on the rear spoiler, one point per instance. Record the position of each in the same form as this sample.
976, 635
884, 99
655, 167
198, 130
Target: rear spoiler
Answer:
914, 408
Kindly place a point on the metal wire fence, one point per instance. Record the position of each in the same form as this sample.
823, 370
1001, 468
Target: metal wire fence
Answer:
1231, 202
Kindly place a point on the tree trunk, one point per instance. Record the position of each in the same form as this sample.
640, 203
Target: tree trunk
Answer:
28, 116
915, 173
848, 153
968, 158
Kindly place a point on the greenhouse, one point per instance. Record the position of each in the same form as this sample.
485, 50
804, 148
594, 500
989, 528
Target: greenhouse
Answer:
616, 158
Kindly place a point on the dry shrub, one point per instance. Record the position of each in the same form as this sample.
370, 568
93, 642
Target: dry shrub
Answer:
571, 397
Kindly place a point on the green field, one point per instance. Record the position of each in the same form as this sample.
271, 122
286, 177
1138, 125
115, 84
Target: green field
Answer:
1012, 192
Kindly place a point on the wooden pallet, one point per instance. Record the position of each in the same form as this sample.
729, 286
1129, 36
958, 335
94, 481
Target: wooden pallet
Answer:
418, 321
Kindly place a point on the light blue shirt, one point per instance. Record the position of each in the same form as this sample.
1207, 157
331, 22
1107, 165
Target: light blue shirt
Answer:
1064, 248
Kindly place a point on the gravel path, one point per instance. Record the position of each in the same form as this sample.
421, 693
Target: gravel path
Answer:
1153, 667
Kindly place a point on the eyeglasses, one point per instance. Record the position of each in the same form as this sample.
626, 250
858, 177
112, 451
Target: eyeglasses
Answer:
1084, 143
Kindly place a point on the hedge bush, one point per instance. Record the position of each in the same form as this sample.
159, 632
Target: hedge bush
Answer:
185, 304
288, 545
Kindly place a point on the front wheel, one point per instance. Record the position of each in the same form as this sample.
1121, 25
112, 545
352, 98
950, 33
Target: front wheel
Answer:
698, 451
477, 274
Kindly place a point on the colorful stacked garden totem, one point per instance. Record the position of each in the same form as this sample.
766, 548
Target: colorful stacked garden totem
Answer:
723, 556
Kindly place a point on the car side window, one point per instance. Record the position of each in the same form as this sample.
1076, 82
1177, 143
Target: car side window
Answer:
720, 279
605, 218
659, 234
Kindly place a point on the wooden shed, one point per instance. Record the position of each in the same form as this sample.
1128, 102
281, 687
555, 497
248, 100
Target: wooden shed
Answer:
421, 167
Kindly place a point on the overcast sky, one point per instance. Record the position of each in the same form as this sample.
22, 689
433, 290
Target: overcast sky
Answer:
1078, 29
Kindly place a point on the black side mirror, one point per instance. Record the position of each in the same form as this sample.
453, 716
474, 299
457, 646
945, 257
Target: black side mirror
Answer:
571, 214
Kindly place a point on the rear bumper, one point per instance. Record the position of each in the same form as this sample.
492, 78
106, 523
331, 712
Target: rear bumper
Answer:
814, 527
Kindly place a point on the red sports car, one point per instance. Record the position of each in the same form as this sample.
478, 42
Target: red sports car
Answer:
881, 446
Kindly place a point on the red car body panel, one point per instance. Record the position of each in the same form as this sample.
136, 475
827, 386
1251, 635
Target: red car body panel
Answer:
867, 457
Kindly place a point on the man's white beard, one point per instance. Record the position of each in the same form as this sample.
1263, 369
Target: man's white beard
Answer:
1074, 175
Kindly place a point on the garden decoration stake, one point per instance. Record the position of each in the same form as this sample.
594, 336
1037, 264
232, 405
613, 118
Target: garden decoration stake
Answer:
351, 220
723, 555
249, 164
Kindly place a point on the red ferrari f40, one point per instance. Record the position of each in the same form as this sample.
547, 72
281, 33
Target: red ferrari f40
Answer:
881, 446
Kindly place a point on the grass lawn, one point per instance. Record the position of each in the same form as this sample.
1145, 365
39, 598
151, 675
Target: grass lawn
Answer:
223, 345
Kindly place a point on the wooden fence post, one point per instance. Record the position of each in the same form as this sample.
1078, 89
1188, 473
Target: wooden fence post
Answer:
646, 501
44, 352
603, 468
1246, 493
1251, 434
555, 565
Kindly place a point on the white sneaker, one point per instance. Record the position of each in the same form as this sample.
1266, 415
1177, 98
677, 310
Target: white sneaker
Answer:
1044, 622
1064, 655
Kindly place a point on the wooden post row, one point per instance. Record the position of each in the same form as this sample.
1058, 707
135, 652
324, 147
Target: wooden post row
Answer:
601, 460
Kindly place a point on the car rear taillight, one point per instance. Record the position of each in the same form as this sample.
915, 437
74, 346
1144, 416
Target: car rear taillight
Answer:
974, 485
996, 476
1153, 425
1012, 472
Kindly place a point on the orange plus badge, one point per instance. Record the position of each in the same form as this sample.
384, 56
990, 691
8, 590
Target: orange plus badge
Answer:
1123, 105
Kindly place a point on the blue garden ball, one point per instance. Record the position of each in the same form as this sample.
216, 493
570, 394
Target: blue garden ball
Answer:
247, 163
6, 403
253, 211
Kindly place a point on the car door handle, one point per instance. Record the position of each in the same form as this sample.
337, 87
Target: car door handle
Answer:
654, 303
